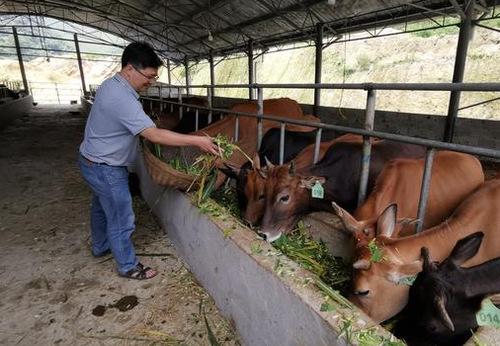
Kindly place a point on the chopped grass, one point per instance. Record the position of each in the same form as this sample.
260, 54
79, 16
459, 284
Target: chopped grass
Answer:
315, 257
375, 251
369, 337
203, 169
226, 197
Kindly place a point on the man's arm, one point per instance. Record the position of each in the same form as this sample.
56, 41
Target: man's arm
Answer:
167, 137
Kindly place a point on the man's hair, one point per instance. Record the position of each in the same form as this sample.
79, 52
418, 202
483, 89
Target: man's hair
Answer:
140, 55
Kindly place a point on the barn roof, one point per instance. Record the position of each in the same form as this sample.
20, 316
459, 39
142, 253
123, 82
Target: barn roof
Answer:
195, 29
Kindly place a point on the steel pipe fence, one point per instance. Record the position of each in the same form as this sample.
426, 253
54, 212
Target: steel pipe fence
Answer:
367, 132
55, 93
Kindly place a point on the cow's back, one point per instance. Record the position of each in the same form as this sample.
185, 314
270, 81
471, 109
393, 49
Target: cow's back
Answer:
294, 143
454, 177
341, 166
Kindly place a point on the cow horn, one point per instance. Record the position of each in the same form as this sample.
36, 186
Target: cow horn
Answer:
444, 314
263, 172
268, 163
291, 169
256, 161
428, 264
361, 264
348, 221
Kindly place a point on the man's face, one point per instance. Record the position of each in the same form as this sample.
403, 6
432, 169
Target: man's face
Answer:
141, 79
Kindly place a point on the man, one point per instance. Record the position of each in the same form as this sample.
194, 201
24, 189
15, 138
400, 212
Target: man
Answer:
110, 145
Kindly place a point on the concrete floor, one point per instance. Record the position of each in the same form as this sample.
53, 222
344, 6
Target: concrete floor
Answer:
52, 290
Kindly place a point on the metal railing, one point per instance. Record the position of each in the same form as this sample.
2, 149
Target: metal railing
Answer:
55, 93
12, 85
366, 132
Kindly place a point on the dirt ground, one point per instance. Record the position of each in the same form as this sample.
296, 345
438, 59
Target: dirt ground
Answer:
52, 291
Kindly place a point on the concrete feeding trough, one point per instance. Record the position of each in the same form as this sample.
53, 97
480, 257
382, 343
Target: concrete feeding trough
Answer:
269, 298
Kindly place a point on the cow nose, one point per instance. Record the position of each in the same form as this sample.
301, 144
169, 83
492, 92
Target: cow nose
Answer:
361, 293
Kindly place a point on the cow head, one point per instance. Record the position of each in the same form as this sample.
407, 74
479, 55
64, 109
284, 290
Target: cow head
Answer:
445, 298
287, 196
363, 231
249, 189
378, 270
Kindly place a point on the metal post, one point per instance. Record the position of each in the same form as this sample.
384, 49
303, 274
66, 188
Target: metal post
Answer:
282, 142
317, 145
186, 67
209, 100
237, 129
367, 146
57, 94
179, 98
20, 58
161, 97
212, 77
169, 76
260, 112
80, 64
458, 72
424, 192
251, 79
318, 66
196, 120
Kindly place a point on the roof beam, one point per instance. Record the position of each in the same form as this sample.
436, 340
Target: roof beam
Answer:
253, 21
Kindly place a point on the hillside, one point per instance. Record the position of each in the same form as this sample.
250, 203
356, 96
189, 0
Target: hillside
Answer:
418, 58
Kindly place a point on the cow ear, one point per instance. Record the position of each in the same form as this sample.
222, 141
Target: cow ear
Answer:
256, 161
308, 182
386, 223
230, 170
466, 248
348, 221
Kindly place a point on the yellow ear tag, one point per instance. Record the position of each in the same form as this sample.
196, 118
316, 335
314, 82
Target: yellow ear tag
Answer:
317, 190
489, 315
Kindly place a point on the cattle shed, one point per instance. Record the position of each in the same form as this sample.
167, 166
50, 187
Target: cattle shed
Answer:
268, 299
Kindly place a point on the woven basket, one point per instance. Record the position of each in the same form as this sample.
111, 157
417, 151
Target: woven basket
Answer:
164, 174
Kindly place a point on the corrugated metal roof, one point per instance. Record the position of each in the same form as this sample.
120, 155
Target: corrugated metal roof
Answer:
194, 29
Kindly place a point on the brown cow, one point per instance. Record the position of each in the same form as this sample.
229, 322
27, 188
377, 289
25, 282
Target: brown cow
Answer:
454, 176
247, 142
288, 195
250, 182
283, 107
377, 284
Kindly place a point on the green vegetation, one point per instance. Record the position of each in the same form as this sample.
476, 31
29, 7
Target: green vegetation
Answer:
375, 252
314, 256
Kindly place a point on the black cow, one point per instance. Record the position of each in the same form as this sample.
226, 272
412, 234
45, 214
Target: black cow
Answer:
445, 298
288, 194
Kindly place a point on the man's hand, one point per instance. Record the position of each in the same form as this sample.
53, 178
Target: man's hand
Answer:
167, 137
207, 144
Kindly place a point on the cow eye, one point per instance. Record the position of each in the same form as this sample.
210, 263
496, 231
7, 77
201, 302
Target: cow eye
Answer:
284, 199
361, 293
261, 197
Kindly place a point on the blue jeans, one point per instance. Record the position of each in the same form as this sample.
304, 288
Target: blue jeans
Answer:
112, 216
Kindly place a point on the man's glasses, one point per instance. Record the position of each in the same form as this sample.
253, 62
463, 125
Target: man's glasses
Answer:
151, 78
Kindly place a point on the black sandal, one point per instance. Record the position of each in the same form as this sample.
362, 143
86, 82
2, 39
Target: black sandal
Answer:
140, 273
